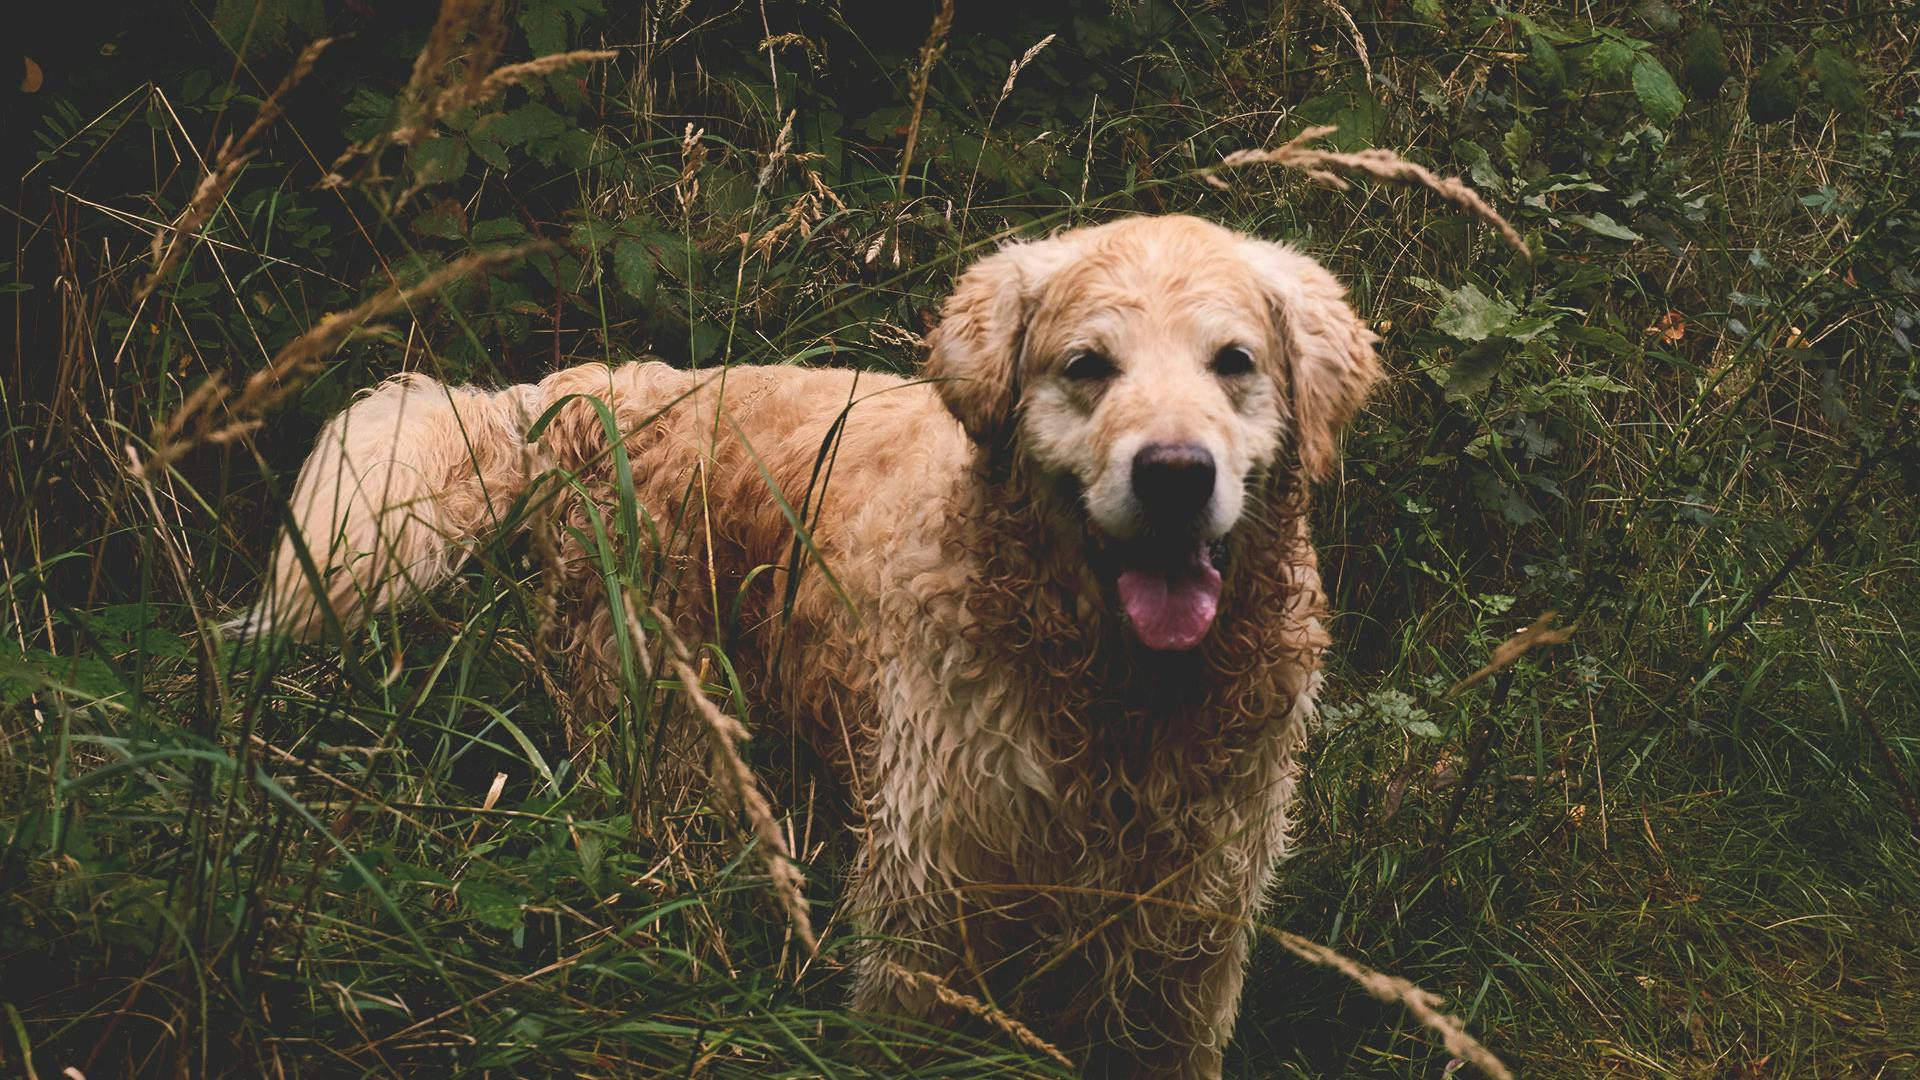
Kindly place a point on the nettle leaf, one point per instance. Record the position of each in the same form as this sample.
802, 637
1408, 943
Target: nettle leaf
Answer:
498, 230
1473, 369
1517, 142
1352, 108
633, 264
490, 904
489, 151
438, 161
444, 220
545, 23
1604, 225
1659, 95
592, 234
1611, 59
1472, 315
523, 125
1841, 85
368, 112
1544, 71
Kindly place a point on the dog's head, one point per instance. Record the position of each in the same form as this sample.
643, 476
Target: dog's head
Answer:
1158, 367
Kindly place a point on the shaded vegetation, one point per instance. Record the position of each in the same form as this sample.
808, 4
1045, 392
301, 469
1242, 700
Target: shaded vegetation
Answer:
1682, 844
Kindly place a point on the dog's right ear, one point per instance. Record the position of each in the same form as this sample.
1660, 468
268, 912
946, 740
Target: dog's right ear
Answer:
975, 362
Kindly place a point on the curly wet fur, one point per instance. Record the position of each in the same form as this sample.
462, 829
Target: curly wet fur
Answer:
1025, 765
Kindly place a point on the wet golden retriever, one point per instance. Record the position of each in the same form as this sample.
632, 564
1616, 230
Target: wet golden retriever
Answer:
1056, 617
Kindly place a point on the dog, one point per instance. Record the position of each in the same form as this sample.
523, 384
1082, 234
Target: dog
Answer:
1050, 610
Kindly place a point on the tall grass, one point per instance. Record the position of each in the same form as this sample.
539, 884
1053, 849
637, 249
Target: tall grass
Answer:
1673, 845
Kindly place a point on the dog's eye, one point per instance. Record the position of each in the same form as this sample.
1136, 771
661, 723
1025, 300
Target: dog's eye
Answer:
1232, 360
1088, 367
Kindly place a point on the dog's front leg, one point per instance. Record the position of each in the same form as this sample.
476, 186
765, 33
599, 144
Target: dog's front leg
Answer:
1163, 1015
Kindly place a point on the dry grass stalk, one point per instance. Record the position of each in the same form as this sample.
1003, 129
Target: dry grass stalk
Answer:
693, 155
973, 1006
170, 243
1322, 167
1541, 633
497, 81
430, 93
930, 52
1383, 987
1014, 69
1353, 31
782, 149
726, 735
422, 100
1392, 989
210, 415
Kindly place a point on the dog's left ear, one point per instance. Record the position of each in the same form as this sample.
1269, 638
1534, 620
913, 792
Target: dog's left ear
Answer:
976, 348
1329, 350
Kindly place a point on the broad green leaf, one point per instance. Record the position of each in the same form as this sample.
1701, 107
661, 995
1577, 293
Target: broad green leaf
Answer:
1840, 83
1473, 369
633, 265
519, 126
498, 230
592, 234
1659, 95
443, 219
1611, 59
1604, 225
490, 904
1517, 142
1472, 315
437, 161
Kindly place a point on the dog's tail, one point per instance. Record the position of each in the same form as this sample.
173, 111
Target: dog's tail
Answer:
390, 501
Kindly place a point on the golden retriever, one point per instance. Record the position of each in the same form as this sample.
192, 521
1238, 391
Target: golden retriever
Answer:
1063, 650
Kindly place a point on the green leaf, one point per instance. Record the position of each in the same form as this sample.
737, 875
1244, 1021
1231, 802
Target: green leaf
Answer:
444, 220
1659, 95
1703, 62
1604, 225
1424, 728
633, 265
498, 230
490, 904
1544, 71
438, 161
490, 151
1472, 315
523, 125
1775, 91
1473, 369
1840, 83
1352, 108
592, 234
1517, 142
1611, 59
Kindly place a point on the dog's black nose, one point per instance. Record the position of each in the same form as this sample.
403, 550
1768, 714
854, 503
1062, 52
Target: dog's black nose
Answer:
1173, 481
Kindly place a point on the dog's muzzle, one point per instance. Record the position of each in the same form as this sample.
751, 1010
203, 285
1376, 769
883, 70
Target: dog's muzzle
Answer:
1169, 578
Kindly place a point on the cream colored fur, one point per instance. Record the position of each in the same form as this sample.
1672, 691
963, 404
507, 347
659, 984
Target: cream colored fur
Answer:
1055, 818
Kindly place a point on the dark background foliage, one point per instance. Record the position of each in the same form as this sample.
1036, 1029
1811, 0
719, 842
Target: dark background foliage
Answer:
1683, 844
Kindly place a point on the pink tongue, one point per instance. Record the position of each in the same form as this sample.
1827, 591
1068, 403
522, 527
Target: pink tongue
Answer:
1171, 611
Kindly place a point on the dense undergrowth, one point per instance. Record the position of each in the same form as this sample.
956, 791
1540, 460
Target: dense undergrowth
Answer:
1682, 844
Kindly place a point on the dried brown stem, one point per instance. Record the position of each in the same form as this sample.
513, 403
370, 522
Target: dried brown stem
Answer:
1322, 167
1540, 634
973, 1006
930, 52
1392, 989
737, 779
170, 243
430, 92
202, 418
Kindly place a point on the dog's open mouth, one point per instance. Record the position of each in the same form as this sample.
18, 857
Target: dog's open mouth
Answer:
1171, 591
